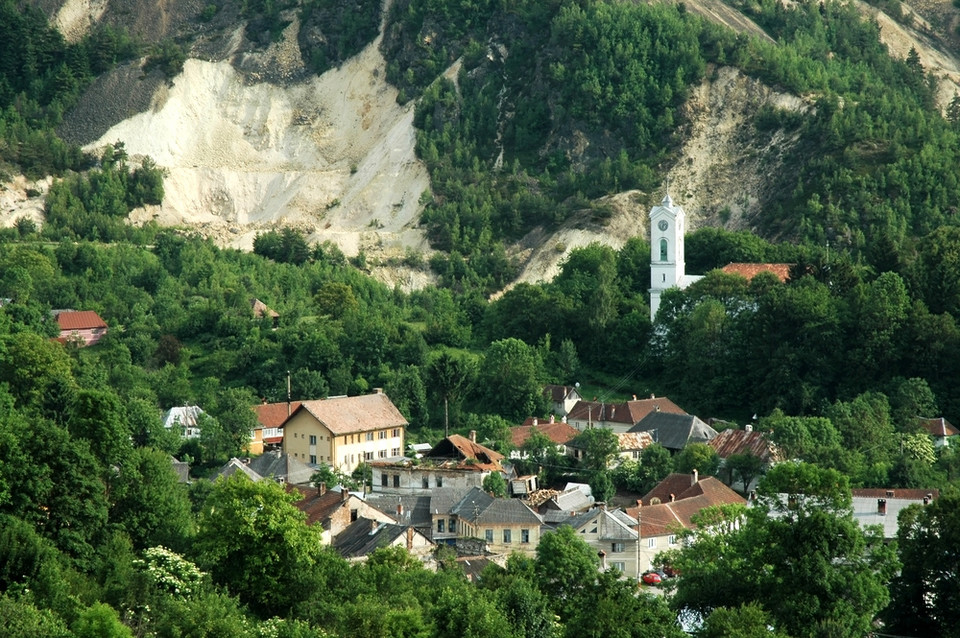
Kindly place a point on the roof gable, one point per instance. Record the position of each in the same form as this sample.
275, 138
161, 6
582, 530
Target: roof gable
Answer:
558, 432
675, 431
273, 415
347, 415
462, 449
478, 507
79, 320
939, 427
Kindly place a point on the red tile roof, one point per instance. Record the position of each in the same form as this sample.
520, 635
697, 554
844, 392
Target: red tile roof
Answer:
558, 432
749, 271
624, 412
730, 442
79, 320
939, 427
466, 454
905, 493
318, 507
273, 415
665, 518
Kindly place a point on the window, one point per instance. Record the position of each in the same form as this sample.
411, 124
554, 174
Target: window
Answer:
524, 536
440, 524
396, 480
617, 548
651, 542
663, 250
313, 459
395, 452
382, 454
396, 432
384, 479
452, 526
368, 456
506, 537
672, 540
439, 481
618, 565
383, 434
369, 436
425, 482
354, 515
488, 535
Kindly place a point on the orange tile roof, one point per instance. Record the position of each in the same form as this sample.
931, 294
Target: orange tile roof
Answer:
749, 271
558, 432
939, 427
79, 320
665, 518
273, 415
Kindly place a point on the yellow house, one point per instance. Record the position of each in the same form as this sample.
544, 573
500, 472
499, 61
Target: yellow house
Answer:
345, 431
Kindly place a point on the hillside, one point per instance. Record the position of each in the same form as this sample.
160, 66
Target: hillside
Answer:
251, 140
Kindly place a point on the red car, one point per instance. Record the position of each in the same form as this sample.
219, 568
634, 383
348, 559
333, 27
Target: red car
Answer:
652, 578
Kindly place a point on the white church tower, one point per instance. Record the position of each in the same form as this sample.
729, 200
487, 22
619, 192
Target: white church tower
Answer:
667, 270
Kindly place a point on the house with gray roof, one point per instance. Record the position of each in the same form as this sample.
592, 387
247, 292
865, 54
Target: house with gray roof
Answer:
183, 419
282, 468
362, 537
504, 525
613, 535
675, 431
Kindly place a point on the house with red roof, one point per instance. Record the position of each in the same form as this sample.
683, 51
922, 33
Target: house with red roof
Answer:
670, 507
562, 397
618, 416
344, 432
557, 431
940, 429
83, 327
456, 462
268, 435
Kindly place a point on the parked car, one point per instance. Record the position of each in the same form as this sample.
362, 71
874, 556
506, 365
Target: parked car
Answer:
652, 578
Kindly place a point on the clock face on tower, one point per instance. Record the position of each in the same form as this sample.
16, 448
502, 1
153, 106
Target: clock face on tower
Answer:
662, 225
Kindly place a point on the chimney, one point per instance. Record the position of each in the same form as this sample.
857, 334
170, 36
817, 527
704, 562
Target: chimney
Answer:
753, 495
552, 419
602, 505
653, 396
536, 421
673, 497
409, 539
889, 493
399, 511
378, 390
927, 499
696, 477
373, 526
344, 495
603, 560
634, 397
321, 489
882, 506
748, 428
473, 436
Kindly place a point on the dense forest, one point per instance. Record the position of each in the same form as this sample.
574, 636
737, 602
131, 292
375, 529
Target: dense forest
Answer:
98, 539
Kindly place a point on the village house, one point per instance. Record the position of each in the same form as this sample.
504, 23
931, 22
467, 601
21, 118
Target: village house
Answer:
504, 525
345, 431
268, 434
746, 441
612, 534
334, 510
83, 327
879, 506
558, 432
562, 398
183, 419
362, 537
618, 416
456, 462
675, 431
670, 507
941, 430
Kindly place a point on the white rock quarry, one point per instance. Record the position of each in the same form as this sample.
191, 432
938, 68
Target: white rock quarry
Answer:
333, 156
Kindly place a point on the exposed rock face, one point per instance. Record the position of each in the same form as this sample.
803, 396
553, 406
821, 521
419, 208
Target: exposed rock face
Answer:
251, 141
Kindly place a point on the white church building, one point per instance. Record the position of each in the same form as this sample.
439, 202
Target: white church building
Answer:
667, 270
